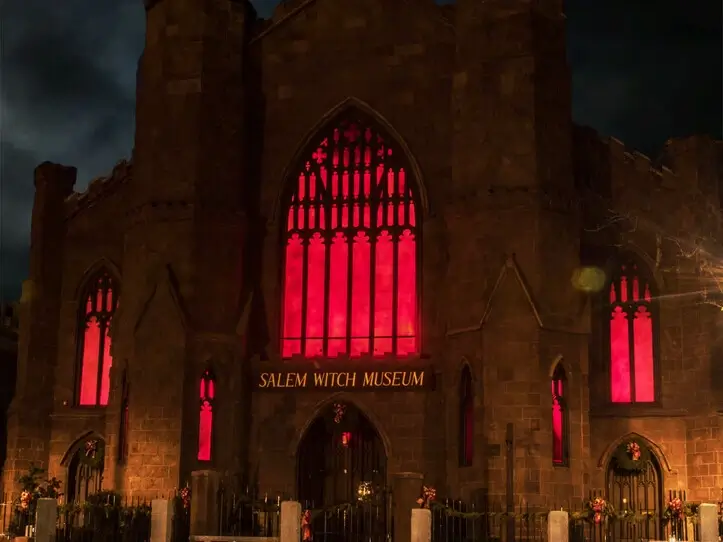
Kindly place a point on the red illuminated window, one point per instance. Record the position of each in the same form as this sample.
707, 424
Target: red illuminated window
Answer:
123, 427
350, 270
207, 393
99, 302
631, 337
559, 417
466, 419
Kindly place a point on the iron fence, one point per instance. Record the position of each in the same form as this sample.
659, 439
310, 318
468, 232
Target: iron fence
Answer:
181, 526
367, 519
14, 519
635, 524
456, 521
105, 517
245, 514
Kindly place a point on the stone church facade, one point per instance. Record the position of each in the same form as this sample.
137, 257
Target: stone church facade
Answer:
368, 233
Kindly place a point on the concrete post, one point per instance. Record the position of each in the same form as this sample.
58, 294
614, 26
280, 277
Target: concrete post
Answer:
290, 529
46, 520
558, 528
205, 486
421, 525
708, 515
161, 520
407, 487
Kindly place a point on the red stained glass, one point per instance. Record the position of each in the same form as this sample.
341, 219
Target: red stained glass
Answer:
205, 418
351, 237
345, 439
338, 279
292, 295
360, 303
384, 294
315, 297
558, 417
94, 349
632, 367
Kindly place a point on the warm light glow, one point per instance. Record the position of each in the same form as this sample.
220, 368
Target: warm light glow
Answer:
205, 422
558, 417
632, 372
345, 439
95, 360
350, 271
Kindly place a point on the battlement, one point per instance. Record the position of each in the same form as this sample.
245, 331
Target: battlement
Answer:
99, 188
688, 165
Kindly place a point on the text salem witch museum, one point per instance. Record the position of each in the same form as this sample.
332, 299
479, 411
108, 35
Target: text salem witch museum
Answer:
345, 380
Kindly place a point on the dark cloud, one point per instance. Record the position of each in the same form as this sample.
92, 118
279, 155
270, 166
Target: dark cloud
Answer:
642, 71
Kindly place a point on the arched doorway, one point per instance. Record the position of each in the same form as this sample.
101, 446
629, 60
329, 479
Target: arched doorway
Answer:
85, 469
340, 450
341, 469
635, 482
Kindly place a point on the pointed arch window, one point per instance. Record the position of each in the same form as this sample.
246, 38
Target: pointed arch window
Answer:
99, 301
466, 419
207, 394
351, 239
631, 337
560, 437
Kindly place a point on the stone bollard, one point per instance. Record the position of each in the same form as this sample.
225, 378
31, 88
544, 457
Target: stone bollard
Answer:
290, 528
161, 520
558, 529
708, 516
46, 520
421, 525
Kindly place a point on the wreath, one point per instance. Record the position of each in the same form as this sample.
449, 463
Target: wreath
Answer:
93, 454
631, 455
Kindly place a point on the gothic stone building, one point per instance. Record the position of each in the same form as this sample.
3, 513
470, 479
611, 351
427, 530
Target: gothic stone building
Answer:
358, 242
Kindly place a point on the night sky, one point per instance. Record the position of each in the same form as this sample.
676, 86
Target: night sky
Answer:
643, 71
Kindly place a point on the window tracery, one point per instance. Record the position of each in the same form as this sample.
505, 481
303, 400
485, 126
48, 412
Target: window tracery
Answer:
350, 264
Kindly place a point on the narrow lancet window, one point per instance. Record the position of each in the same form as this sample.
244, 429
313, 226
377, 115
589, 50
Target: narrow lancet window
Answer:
207, 394
559, 418
466, 419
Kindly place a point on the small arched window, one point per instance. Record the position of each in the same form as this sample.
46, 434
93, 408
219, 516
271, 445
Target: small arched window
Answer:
207, 394
631, 336
466, 419
559, 417
350, 260
99, 300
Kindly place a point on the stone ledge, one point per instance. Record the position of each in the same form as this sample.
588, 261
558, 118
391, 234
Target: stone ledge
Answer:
204, 538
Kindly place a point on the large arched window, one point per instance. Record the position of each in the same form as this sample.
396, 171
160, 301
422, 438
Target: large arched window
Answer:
560, 437
631, 336
466, 419
351, 234
99, 300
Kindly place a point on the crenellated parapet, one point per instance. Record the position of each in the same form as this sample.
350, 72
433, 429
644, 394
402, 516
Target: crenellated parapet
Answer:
99, 189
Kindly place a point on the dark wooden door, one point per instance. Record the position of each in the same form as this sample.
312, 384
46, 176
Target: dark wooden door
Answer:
640, 492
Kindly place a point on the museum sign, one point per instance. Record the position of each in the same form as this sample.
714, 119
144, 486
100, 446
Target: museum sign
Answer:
400, 380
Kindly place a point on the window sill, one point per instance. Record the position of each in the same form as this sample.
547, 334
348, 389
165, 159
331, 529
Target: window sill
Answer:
652, 410
79, 412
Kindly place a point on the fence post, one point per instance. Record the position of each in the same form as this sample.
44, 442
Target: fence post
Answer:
46, 520
290, 520
161, 520
708, 522
406, 489
558, 528
421, 525
205, 485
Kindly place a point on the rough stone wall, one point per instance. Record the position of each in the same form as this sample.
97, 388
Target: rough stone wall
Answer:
195, 230
659, 214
